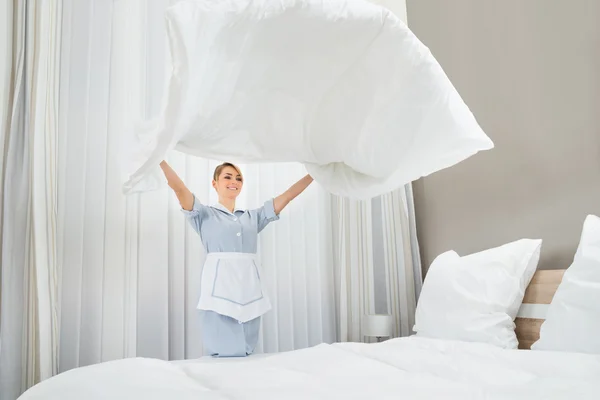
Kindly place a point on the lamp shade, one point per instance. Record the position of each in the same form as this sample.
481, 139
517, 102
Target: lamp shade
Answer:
377, 325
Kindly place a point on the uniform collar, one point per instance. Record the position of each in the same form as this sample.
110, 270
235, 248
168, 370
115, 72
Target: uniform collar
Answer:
221, 207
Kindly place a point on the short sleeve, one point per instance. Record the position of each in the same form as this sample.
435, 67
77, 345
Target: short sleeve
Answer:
197, 215
266, 214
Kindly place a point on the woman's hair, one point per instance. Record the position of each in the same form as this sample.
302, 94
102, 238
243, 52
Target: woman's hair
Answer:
220, 168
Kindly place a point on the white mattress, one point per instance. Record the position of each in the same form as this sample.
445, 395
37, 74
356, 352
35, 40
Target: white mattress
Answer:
408, 368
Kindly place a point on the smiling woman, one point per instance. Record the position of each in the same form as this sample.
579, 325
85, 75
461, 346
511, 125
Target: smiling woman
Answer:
232, 296
228, 182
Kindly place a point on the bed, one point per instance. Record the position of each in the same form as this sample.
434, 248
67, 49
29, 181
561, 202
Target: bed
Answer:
537, 298
399, 368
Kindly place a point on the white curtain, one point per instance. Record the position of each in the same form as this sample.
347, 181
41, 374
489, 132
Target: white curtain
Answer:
29, 307
131, 265
377, 263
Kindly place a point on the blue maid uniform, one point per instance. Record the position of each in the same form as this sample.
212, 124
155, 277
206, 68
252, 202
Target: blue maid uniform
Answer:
232, 295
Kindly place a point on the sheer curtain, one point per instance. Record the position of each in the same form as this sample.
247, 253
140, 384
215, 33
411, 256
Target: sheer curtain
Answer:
377, 263
29, 307
131, 265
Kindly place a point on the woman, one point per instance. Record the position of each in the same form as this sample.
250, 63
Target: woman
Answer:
232, 295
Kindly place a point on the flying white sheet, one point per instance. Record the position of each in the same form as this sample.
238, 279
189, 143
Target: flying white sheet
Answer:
343, 87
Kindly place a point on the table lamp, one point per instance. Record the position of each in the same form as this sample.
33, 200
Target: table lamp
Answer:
377, 325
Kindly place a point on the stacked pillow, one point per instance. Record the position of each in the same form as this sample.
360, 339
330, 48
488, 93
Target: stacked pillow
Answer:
476, 298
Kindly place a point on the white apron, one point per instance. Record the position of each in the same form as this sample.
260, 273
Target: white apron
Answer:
231, 286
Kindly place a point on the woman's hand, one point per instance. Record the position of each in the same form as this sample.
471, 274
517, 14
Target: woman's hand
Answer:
283, 200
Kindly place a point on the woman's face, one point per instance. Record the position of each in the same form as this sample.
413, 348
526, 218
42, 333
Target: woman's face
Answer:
229, 183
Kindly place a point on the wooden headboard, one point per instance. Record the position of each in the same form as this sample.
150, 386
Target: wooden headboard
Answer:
538, 296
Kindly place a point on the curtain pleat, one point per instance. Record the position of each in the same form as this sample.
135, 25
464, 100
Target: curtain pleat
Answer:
117, 217
44, 40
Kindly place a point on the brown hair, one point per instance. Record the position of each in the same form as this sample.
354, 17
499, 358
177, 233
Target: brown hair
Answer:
220, 168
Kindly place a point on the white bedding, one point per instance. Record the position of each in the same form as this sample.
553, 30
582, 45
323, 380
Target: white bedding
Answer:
342, 86
406, 368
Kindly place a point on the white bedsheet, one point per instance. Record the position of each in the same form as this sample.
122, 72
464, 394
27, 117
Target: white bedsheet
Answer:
342, 86
407, 368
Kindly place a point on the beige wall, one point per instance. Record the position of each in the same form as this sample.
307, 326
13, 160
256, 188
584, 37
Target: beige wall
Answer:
530, 71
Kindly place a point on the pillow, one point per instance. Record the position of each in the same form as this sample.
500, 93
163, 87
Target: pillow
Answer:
476, 298
343, 87
573, 318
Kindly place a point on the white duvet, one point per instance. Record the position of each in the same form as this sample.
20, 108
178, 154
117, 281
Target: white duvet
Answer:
342, 86
406, 368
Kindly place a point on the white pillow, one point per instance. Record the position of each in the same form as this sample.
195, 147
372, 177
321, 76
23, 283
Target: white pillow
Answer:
573, 318
343, 87
476, 298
